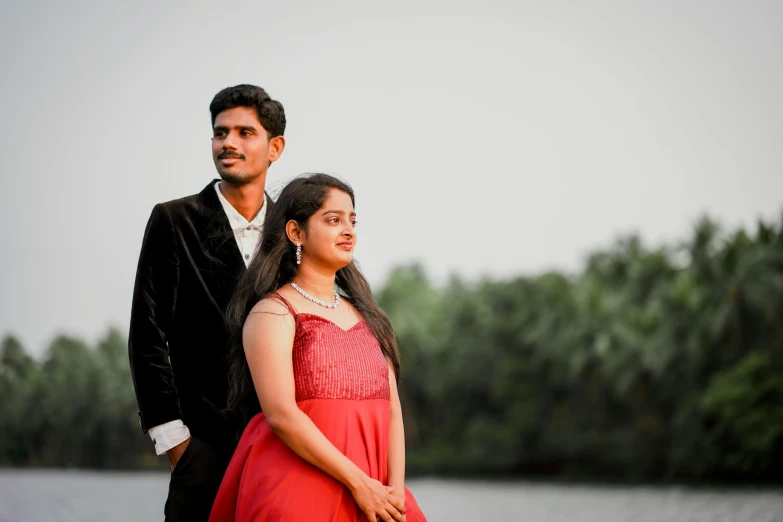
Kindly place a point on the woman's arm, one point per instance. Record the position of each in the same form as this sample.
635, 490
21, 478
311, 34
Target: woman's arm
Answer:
396, 459
268, 338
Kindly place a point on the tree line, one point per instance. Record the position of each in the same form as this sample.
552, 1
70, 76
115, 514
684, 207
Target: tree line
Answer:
651, 363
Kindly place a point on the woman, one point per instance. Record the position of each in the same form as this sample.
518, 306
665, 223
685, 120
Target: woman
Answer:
329, 445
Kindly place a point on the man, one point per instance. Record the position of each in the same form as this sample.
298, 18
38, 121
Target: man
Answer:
194, 250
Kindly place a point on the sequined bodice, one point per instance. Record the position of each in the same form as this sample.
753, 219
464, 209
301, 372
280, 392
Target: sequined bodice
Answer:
332, 363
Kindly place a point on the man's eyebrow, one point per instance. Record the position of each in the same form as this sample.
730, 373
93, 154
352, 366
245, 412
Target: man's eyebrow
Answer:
240, 127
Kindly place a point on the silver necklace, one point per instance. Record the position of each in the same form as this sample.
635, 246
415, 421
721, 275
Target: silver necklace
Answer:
315, 299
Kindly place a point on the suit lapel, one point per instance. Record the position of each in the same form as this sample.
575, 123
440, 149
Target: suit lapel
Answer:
224, 260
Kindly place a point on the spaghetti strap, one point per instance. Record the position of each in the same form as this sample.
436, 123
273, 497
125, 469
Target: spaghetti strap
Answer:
275, 295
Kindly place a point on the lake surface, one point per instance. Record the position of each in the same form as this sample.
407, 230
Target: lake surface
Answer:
82, 496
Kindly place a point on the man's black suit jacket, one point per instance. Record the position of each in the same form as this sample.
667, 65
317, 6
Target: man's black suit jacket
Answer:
188, 267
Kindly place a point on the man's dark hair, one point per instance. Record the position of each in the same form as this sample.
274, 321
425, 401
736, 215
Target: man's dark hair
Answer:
270, 112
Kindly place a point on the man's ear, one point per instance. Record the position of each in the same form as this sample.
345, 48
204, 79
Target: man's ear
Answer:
276, 146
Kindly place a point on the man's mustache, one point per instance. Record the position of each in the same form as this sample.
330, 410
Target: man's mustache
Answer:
230, 155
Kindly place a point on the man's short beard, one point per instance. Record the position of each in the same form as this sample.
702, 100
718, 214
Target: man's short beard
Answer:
236, 178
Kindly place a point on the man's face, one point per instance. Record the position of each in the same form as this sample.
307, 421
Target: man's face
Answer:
240, 147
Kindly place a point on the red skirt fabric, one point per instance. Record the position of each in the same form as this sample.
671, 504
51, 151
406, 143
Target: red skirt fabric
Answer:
267, 482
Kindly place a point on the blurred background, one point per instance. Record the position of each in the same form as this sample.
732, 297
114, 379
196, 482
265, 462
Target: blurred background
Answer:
572, 212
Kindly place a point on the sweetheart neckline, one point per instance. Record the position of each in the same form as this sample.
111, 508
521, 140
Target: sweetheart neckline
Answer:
360, 321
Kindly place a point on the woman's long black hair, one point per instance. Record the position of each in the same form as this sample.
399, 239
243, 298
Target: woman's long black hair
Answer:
275, 265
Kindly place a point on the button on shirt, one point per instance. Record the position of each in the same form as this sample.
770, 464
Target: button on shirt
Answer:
247, 234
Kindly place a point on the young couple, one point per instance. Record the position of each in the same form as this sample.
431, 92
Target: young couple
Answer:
238, 332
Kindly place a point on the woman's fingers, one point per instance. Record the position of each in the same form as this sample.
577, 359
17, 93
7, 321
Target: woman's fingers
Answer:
394, 513
385, 516
398, 503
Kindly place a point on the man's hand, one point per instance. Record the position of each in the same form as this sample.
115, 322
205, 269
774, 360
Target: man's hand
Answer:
176, 452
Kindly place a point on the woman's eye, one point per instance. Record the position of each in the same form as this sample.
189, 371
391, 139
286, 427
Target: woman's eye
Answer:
353, 222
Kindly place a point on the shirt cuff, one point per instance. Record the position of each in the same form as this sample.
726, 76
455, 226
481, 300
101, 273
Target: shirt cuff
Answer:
166, 436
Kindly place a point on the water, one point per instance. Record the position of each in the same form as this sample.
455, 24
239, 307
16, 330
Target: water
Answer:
81, 496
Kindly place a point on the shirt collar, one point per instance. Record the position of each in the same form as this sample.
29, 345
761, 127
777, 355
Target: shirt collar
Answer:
236, 220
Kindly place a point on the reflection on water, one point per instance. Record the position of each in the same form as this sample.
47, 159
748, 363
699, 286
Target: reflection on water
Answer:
71, 496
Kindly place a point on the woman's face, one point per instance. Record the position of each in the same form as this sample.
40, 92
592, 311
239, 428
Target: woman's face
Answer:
330, 237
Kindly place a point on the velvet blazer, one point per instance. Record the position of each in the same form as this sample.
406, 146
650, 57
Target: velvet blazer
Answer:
178, 344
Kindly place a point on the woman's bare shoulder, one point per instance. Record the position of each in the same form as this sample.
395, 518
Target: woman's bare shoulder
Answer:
270, 305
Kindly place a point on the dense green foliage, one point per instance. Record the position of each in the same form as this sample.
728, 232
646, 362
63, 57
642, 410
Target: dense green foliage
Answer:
651, 363
76, 408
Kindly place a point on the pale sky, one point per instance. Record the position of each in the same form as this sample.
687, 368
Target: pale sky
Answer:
495, 139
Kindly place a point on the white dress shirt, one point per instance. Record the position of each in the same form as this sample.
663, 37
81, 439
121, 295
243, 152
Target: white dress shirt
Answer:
247, 234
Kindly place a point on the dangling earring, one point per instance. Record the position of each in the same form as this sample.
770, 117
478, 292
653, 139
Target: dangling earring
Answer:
299, 253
